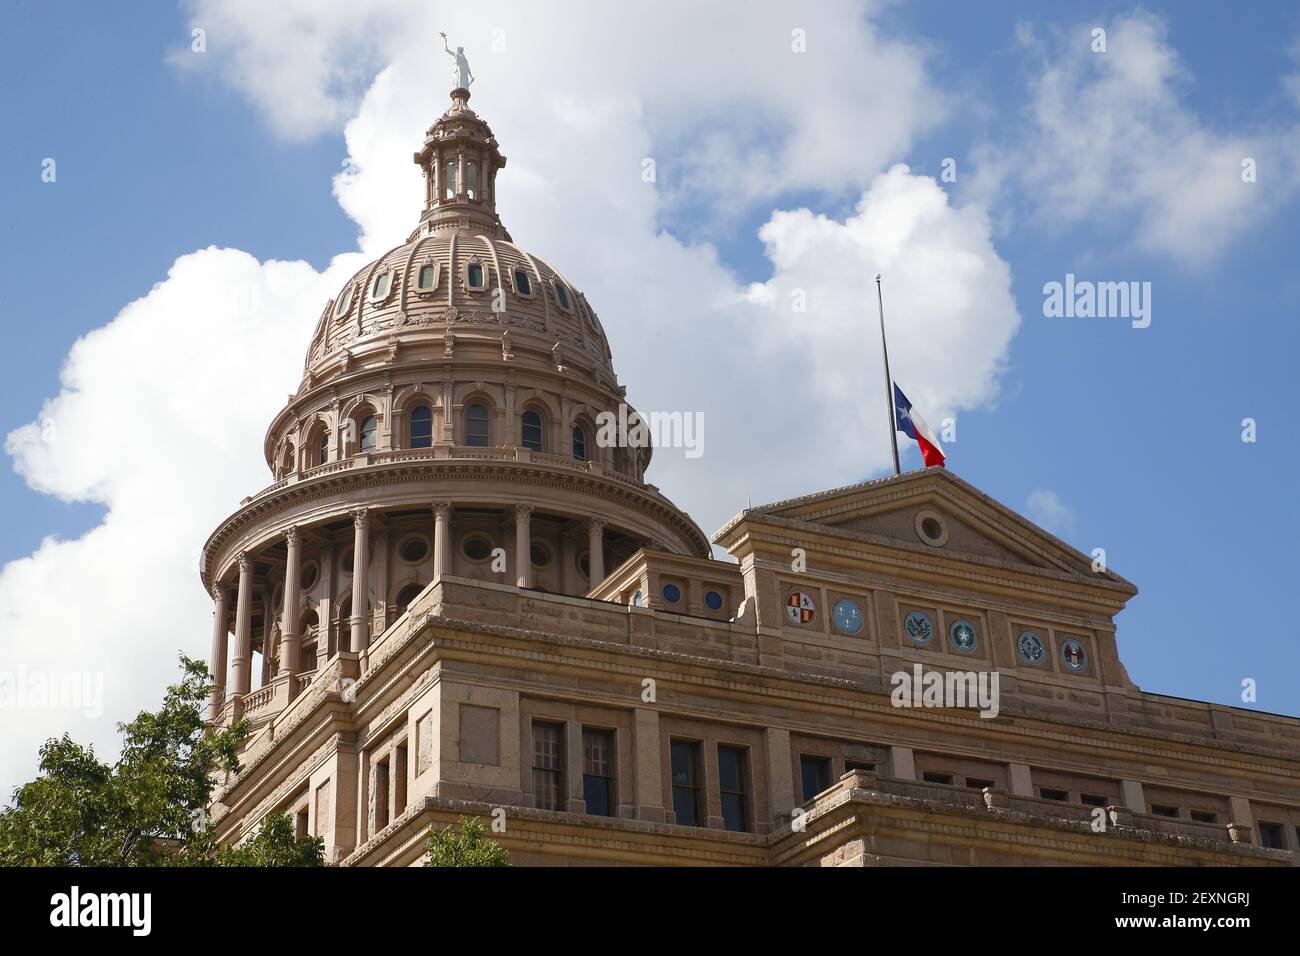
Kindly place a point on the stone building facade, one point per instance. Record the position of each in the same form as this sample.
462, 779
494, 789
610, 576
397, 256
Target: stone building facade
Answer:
453, 600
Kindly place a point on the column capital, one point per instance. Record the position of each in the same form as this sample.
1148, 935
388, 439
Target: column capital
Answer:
523, 512
441, 509
361, 518
292, 535
595, 525
245, 563
219, 591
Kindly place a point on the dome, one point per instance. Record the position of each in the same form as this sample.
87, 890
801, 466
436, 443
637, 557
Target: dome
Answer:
450, 422
459, 284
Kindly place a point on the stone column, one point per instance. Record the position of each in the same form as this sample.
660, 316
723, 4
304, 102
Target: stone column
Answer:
242, 666
220, 648
523, 546
360, 621
595, 552
780, 776
289, 619
441, 540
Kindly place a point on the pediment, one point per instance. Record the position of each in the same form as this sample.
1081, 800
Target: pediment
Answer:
934, 509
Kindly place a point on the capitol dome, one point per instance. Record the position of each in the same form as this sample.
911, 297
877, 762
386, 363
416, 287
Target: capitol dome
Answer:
446, 424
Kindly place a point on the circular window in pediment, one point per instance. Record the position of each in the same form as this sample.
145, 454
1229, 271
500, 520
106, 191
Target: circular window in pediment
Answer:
931, 528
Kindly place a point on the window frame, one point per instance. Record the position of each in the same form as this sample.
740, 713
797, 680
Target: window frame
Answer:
487, 421
609, 777
740, 797
691, 790
539, 445
411, 423
554, 774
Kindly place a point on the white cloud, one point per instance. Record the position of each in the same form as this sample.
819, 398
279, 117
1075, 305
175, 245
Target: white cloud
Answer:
163, 409
1112, 142
1048, 511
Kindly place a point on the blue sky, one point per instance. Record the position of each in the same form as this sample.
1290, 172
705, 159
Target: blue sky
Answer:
1136, 432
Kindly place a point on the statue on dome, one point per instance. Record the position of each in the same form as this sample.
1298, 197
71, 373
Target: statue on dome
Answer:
460, 74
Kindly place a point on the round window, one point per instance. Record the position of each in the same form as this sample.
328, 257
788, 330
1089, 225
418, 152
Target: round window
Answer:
414, 549
477, 547
713, 601
310, 572
672, 593
346, 561
540, 554
931, 528
584, 564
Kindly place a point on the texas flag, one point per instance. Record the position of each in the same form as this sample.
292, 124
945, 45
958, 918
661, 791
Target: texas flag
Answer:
911, 424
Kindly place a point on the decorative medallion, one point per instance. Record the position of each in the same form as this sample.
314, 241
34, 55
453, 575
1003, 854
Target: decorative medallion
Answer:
1031, 646
962, 635
918, 627
800, 608
1073, 655
848, 616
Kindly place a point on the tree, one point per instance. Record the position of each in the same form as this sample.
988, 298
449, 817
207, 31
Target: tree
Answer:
467, 848
275, 845
147, 809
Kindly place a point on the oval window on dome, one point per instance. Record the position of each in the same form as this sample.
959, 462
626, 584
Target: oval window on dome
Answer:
428, 278
379, 288
344, 303
474, 276
562, 294
523, 285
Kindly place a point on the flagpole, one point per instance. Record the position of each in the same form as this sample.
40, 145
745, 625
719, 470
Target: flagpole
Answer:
889, 382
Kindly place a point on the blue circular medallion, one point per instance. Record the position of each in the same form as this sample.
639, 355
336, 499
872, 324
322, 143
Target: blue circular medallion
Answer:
962, 635
672, 593
918, 627
848, 616
713, 601
1073, 655
1031, 646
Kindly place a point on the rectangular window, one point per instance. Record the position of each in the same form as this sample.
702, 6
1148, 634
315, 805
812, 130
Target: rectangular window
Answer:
381, 795
399, 780
300, 824
732, 771
815, 774
932, 777
597, 772
1163, 810
1047, 793
686, 782
548, 765
979, 783
428, 276
1270, 836
1093, 800
1205, 816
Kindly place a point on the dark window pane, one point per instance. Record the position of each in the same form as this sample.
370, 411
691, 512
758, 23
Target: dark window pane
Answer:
427, 275
369, 433
532, 430
522, 283
816, 774
597, 771
477, 426
579, 443
475, 276
324, 448
548, 765
685, 790
422, 427
731, 784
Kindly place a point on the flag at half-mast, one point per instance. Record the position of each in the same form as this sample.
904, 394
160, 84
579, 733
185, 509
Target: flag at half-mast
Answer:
911, 424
